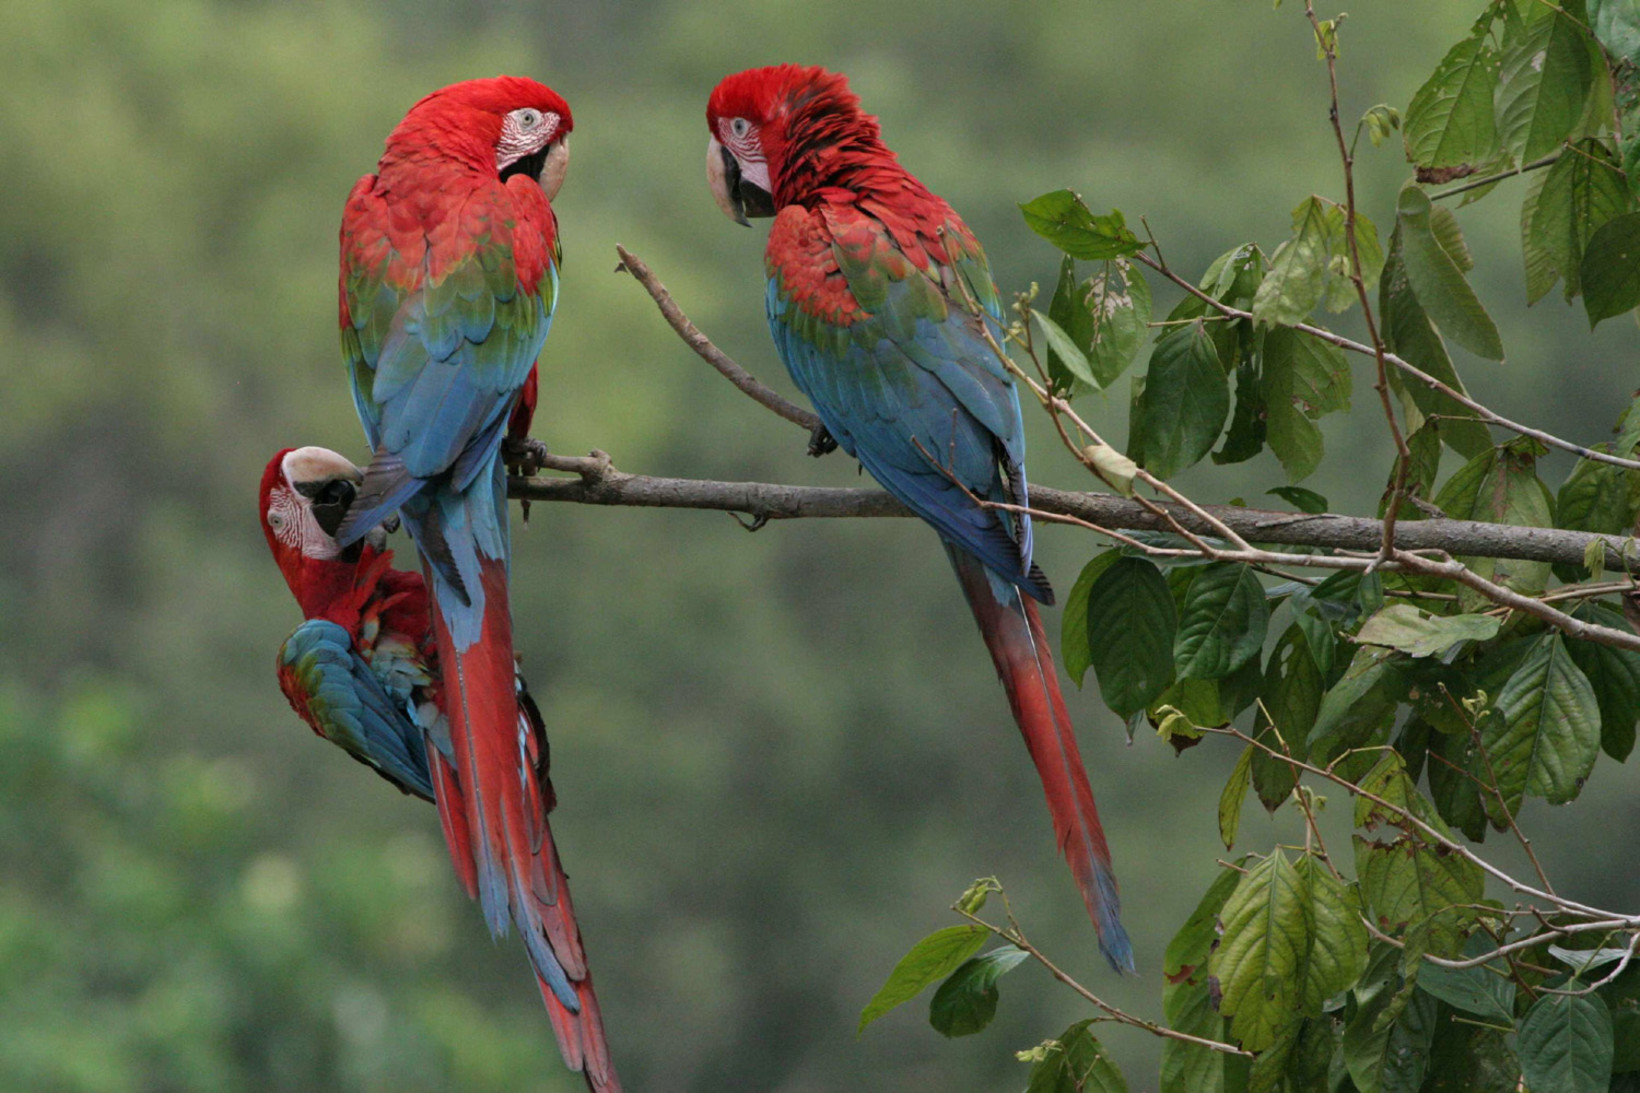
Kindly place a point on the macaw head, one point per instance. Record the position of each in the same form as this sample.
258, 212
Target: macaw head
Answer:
777, 132
509, 123
305, 493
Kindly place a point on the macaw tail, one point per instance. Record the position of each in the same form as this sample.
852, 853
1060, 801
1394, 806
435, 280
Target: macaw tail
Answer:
1019, 647
493, 803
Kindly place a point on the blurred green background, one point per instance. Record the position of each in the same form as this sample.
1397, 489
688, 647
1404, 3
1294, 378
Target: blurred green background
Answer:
779, 757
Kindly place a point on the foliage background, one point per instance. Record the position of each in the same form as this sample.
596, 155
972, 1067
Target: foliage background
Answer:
778, 757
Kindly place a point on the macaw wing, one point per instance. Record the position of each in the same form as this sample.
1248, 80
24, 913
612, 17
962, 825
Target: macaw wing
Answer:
440, 333
901, 374
340, 696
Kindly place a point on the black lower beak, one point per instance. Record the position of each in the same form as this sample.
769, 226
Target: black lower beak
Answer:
746, 198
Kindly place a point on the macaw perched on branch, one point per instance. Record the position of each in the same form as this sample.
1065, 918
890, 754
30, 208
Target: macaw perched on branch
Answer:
878, 300
363, 671
448, 283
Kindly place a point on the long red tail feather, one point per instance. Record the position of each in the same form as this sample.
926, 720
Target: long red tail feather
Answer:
1019, 648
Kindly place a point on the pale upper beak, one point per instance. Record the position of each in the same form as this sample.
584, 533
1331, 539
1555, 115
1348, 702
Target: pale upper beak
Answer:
557, 163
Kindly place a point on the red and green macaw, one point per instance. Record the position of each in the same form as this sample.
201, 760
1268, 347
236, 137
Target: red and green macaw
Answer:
878, 297
449, 279
364, 672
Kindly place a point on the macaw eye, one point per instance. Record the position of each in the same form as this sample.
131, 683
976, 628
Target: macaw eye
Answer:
276, 519
529, 118
740, 127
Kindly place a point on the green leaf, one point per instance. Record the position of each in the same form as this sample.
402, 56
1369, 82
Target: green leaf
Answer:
1338, 945
1616, 25
1565, 1044
1062, 219
1306, 501
1361, 704
1076, 1063
1186, 399
1482, 991
1544, 80
1245, 437
1611, 269
1501, 486
1069, 310
1598, 497
1387, 1040
1223, 622
967, 1000
1420, 634
1304, 378
1297, 280
1444, 223
1293, 686
1536, 249
1449, 122
1262, 951
1583, 961
1615, 676
1118, 302
930, 960
1583, 191
1235, 792
1131, 626
1187, 997
1437, 281
1470, 1059
1073, 634
1548, 736
1062, 348
1409, 881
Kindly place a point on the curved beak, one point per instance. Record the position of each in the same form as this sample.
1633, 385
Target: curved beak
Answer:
555, 166
723, 174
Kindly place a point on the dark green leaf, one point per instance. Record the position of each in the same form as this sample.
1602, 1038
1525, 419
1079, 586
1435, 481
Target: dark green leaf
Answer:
1361, 704
1449, 122
1437, 281
1420, 634
1073, 634
1485, 991
1304, 378
1501, 487
930, 960
1582, 192
1611, 268
1387, 1038
1616, 25
1076, 1063
1338, 940
1293, 686
1307, 501
1187, 999
1235, 792
1223, 622
1062, 219
1615, 676
1245, 437
1470, 1059
1565, 1044
1444, 223
1548, 735
967, 1000
1068, 309
1544, 81
1185, 401
1063, 349
1118, 301
1131, 627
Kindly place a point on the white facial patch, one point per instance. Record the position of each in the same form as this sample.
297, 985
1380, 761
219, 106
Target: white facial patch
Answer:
524, 132
741, 138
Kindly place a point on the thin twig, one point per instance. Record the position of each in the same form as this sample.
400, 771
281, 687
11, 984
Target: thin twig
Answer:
1477, 183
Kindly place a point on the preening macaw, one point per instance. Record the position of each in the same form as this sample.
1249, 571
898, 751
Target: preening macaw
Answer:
448, 283
363, 671
877, 293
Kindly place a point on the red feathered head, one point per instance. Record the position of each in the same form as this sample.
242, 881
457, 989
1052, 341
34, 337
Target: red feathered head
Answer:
304, 495
778, 132
509, 123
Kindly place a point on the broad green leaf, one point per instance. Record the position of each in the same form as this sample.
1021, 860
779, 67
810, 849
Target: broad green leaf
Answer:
1470, 1059
1565, 1044
1131, 628
1388, 1037
1408, 332
930, 960
1409, 881
1583, 961
1582, 192
1611, 268
1361, 704
1548, 736
1306, 501
1073, 634
1543, 83
1223, 622
1338, 940
1076, 1063
1063, 349
1444, 223
1068, 309
1185, 399
1062, 219
1449, 122
1318, 634
1187, 707
1437, 281
1118, 301
1501, 487
1293, 686
967, 1000
1270, 1068
1235, 276
1262, 952
1420, 634
1304, 378
1616, 25
1297, 280
1482, 991
1187, 998
1598, 497
1615, 676
1245, 437
1341, 293
1389, 781
1235, 792
1542, 271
